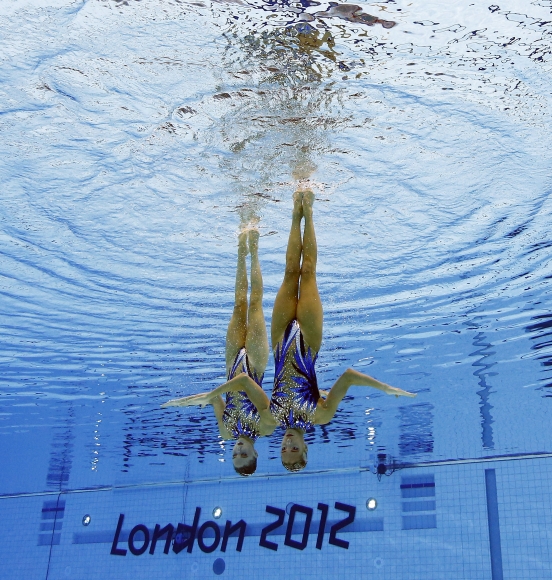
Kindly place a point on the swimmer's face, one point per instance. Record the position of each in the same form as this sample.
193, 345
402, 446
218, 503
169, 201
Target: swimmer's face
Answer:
294, 448
243, 452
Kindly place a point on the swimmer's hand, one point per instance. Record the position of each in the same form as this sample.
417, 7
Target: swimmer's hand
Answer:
353, 377
389, 390
203, 399
268, 418
268, 423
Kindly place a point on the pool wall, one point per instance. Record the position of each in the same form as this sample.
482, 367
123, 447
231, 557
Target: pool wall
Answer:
480, 519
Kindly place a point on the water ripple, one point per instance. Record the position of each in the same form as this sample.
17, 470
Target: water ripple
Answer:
134, 143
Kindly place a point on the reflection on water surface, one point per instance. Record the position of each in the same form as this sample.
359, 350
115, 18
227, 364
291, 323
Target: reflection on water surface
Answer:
137, 136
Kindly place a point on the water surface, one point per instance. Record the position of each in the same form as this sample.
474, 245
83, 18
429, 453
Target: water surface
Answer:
137, 136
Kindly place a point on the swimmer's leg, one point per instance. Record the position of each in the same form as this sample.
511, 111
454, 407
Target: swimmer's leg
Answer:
309, 308
237, 328
285, 305
256, 342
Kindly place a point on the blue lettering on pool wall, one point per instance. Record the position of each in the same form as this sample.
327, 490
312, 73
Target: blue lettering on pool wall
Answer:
158, 533
230, 529
322, 525
296, 508
210, 536
271, 527
185, 535
114, 550
351, 510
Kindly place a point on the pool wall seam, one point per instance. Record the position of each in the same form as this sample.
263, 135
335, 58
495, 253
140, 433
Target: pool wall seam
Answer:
494, 524
349, 470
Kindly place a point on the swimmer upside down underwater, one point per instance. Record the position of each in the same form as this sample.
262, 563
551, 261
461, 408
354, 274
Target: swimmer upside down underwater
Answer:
297, 318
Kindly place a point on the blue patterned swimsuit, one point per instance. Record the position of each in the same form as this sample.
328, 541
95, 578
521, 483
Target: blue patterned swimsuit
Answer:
295, 393
240, 415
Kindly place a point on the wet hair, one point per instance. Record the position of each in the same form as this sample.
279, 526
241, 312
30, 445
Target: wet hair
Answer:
297, 466
248, 468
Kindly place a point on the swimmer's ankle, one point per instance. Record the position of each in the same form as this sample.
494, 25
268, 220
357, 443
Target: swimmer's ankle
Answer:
297, 205
242, 244
308, 201
253, 240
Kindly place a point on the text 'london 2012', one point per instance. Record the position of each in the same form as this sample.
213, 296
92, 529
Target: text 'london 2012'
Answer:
301, 523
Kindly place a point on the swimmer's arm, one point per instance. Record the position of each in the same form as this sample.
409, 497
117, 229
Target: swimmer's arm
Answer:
242, 382
202, 400
326, 408
256, 395
218, 407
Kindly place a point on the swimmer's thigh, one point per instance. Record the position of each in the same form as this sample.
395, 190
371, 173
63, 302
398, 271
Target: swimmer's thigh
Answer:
236, 333
285, 306
256, 342
309, 311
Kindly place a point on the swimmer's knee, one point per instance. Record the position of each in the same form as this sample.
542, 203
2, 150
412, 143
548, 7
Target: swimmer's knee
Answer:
292, 272
256, 302
241, 302
308, 268
240, 307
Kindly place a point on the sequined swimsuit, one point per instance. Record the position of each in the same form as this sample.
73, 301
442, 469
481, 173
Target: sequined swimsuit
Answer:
240, 415
295, 393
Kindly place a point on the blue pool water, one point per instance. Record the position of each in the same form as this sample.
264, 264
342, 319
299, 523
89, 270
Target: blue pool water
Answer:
136, 137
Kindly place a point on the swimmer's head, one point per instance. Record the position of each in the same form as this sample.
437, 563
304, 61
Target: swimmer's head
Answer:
294, 450
244, 456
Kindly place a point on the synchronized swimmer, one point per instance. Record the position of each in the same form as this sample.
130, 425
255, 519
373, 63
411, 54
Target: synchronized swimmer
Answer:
297, 319
243, 415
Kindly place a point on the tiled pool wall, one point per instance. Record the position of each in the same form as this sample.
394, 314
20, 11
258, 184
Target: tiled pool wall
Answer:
482, 520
